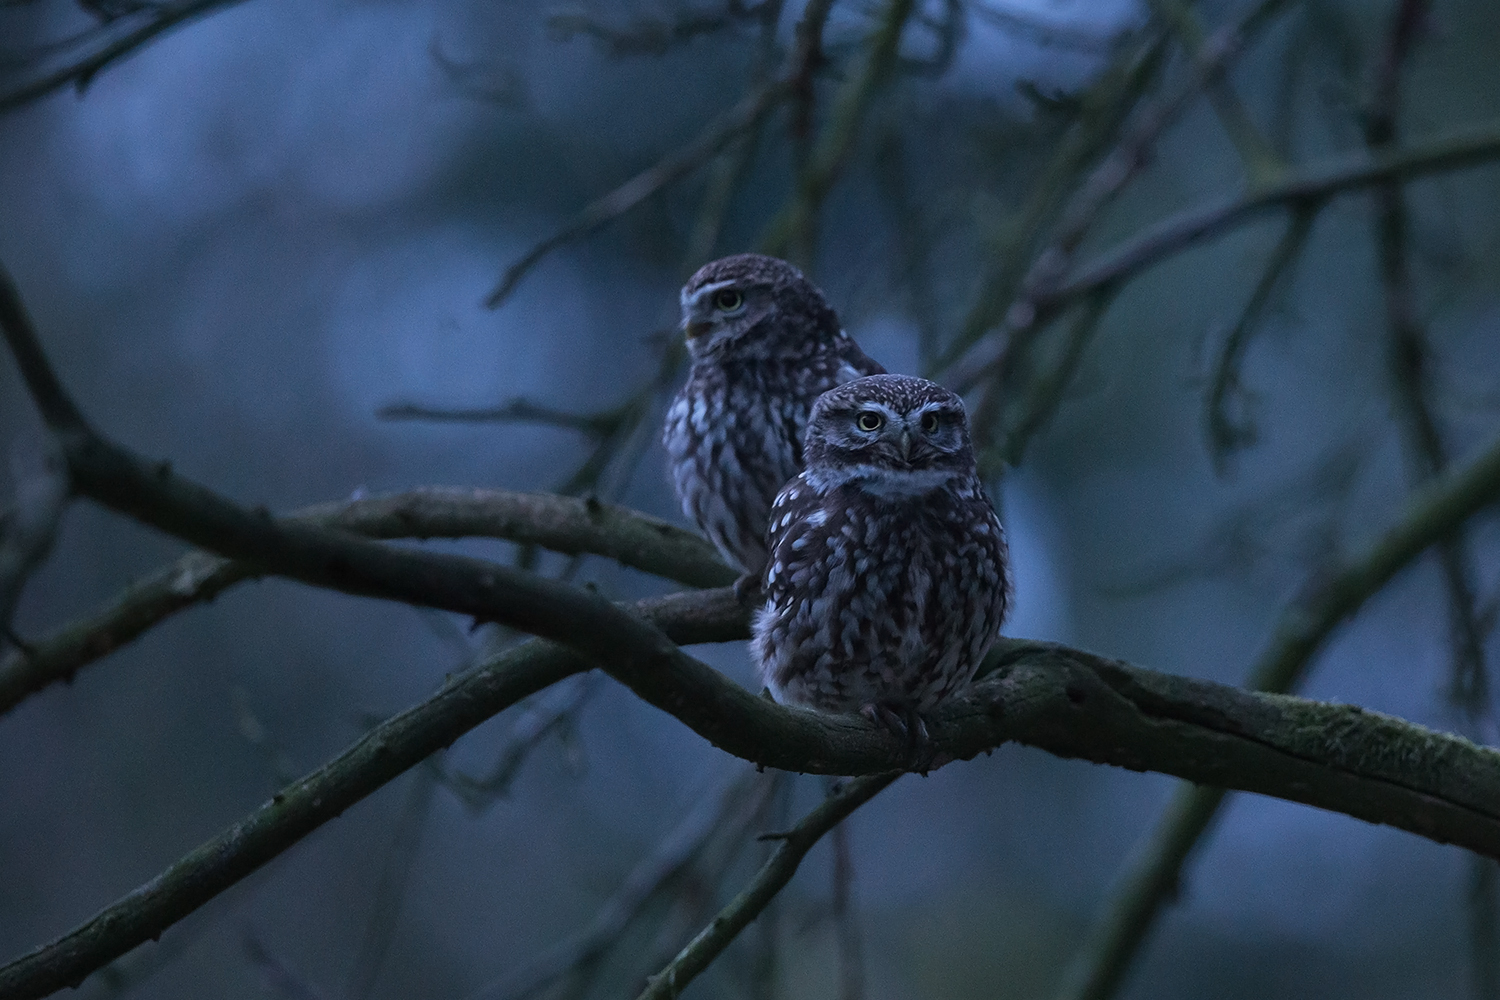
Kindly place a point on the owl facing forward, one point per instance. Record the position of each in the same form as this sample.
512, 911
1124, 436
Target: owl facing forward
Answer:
764, 344
887, 580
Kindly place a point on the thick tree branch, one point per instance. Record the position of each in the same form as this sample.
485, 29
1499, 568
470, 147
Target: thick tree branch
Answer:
561, 524
769, 881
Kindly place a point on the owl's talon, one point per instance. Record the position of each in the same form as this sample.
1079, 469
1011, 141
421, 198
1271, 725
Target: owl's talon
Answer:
887, 718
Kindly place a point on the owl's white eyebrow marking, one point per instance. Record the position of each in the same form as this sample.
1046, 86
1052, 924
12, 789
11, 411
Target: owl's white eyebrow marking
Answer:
705, 291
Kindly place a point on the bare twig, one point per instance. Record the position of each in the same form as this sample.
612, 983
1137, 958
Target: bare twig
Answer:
845, 922
111, 42
733, 123
1260, 160
1027, 313
390, 888
1101, 112
1455, 150
793, 228
280, 979
1023, 23
1046, 391
1409, 353
29, 527
516, 411
769, 881
732, 807
539, 723
1226, 434
649, 36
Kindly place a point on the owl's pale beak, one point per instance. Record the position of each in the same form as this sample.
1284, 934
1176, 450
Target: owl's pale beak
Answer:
696, 328
905, 445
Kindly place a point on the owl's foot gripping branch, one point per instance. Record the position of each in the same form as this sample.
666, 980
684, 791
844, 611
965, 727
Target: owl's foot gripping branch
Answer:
1065, 701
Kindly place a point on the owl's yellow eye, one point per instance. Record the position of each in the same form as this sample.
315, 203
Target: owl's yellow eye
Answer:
929, 423
869, 420
728, 299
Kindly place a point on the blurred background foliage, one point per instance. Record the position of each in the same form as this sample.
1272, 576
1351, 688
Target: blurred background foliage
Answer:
262, 245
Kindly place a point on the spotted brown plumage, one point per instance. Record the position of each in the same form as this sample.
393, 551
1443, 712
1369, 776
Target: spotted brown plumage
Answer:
887, 580
764, 344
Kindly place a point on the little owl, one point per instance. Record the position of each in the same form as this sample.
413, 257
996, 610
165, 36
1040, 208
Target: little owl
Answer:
887, 578
764, 343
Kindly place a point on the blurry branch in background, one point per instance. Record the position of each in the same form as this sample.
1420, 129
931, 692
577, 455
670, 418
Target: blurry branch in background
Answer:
279, 980
732, 812
1293, 522
1299, 186
793, 231
561, 524
1229, 407
25, 77
947, 33
735, 122
517, 411
770, 880
1025, 24
652, 36
1100, 112
481, 79
390, 886
851, 977
1260, 159
28, 528
554, 715
1410, 355
1029, 310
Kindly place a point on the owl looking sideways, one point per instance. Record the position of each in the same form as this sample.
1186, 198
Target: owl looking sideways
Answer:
887, 578
764, 344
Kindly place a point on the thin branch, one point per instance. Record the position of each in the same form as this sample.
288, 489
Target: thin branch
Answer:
538, 724
793, 227
28, 529
769, 881
112, 45
1454, 150
1046, 392
1260, 159
561, 524
390, 888
846, 924
1102, 112
735, 122
1151, 877
516, 411
1024, 315
731, 808
1226, 435
1023, 23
